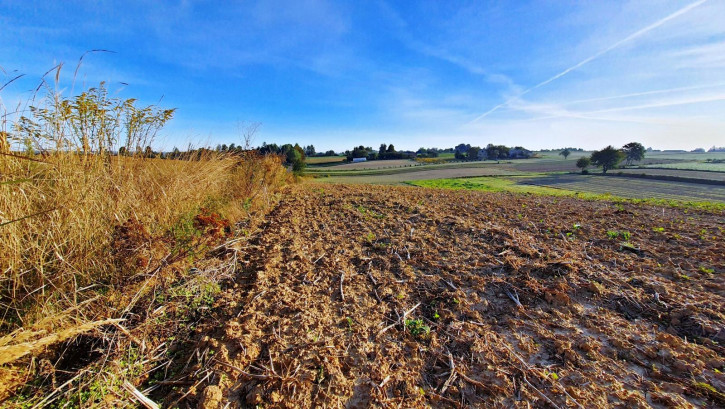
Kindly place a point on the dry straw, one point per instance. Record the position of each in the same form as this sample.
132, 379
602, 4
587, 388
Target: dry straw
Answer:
64, 192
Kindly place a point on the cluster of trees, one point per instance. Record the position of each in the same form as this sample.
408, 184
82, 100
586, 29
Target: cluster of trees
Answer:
610, 157
431, 152
360, 152
383, 153
570, 149
310, 151
294, 155
490, 152
389, 152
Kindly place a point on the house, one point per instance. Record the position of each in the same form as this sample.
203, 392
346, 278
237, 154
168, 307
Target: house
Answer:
356, 160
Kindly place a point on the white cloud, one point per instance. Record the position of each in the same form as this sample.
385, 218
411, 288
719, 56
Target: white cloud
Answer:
598, 54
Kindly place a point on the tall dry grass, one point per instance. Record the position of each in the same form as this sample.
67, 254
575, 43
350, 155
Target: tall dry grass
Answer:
64, 197
59, 216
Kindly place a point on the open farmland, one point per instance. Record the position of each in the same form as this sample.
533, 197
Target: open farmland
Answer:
590, 186
685, 156
373, 164
628, 187
701, 166
324, 160
370, 296
427, 173
676, 172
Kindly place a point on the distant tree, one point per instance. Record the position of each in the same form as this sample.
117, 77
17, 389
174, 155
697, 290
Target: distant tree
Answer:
225, 147
286, 151
310, 150
427, 153
148, 153
607, 158
358, 152
472, 153
495, 152
296, 156
583, 163
330, 153
232, 147
122, 151
461, 150
391, 148
633, 151
565, 153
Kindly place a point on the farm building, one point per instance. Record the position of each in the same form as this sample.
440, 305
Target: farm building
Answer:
356, 160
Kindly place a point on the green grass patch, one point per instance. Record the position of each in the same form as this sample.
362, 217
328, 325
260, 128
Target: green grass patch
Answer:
491, 184
713, 166
508, 184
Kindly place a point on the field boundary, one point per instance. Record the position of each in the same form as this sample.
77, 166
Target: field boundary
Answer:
681, 169
662, 177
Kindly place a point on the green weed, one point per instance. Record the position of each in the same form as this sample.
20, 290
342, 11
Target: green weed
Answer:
707, 270
417, 328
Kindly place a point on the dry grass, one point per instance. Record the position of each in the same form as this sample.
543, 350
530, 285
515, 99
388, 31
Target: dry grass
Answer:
85, 239
59, 217
95, 245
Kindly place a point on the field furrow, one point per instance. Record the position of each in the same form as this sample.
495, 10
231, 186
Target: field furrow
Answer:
371, 296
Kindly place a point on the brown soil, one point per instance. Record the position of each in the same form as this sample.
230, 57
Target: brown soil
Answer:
333, 304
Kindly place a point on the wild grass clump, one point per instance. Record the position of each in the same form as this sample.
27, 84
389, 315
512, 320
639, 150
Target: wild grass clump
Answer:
59, 218
82, 227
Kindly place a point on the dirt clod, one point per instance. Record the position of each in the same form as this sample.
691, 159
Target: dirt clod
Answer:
469, 299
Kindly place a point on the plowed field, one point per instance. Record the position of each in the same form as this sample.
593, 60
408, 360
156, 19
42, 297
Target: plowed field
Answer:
373, 296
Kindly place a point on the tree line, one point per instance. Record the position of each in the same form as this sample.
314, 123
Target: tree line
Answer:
490, 152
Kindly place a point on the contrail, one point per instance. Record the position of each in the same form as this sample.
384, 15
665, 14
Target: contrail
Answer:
597, 55
644, 93
660, 104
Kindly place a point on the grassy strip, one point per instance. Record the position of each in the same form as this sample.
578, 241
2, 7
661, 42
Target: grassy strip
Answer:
667, 178
688, 166
499, 184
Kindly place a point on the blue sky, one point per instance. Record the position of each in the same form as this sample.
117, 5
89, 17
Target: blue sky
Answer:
342, 73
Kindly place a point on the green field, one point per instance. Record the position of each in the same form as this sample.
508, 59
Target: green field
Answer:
407, 168
550, 174
593, 187
704, 166
686, 156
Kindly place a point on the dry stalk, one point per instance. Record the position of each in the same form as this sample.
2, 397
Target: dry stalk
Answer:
342, 278
140, 397
10, 353
452, 375
402, 318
